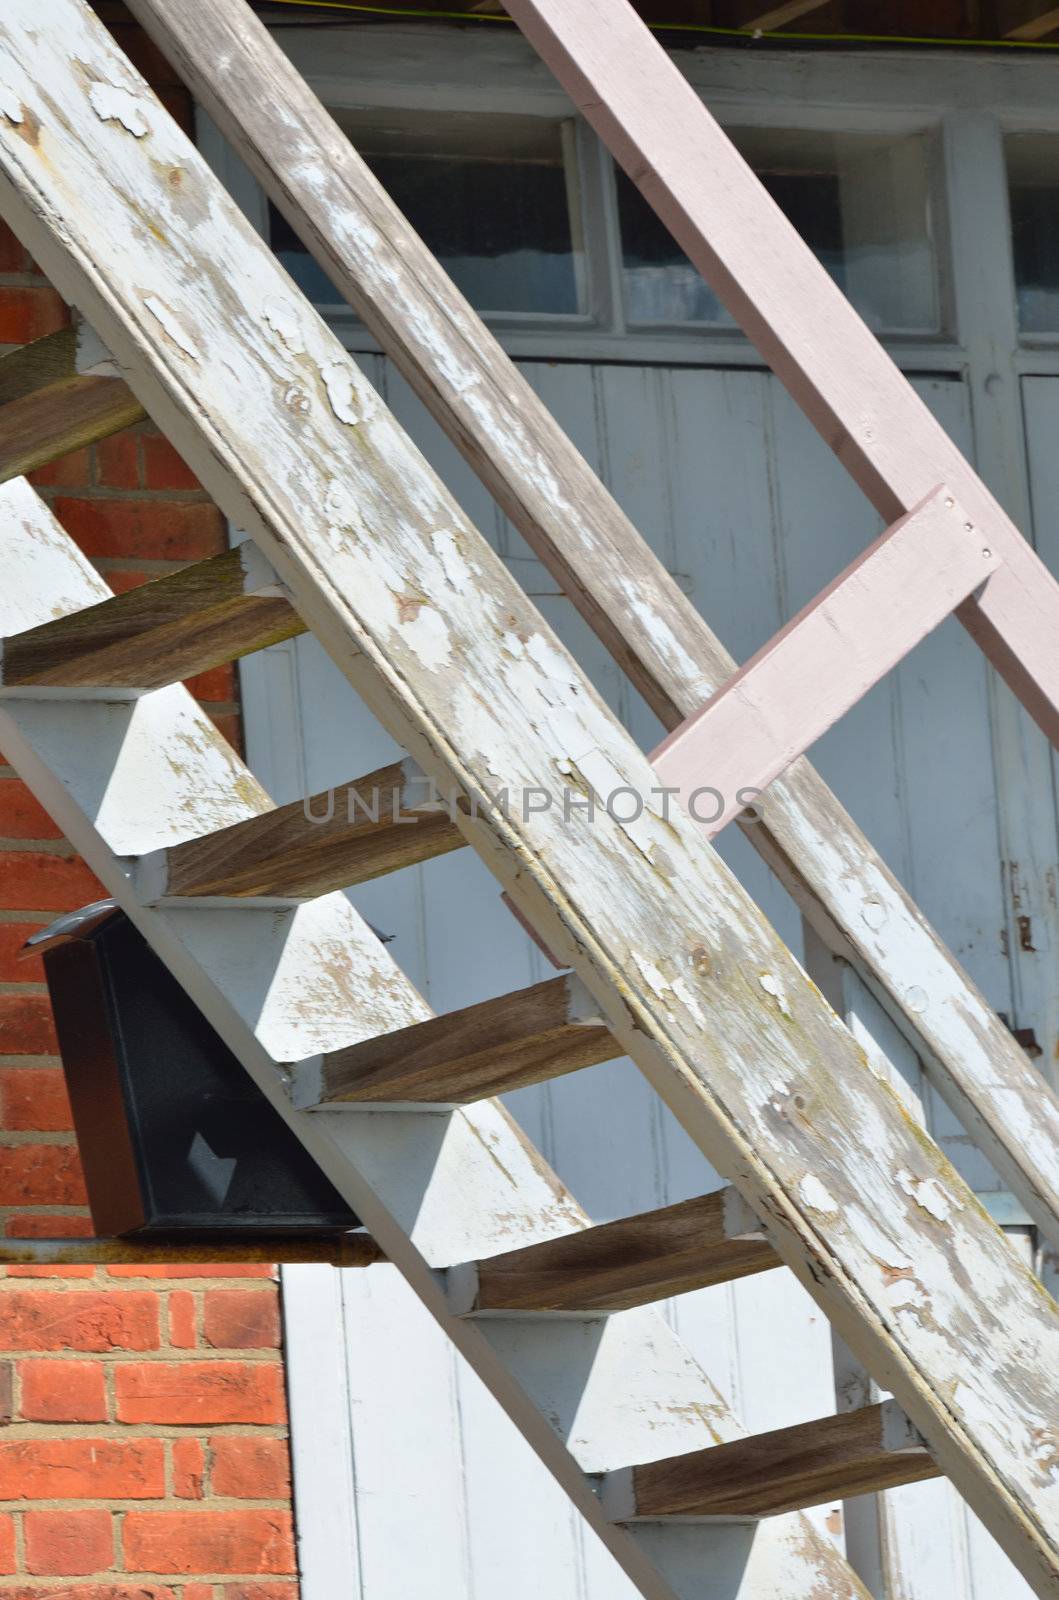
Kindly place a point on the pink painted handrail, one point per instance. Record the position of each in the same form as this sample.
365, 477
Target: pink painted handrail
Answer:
768, 278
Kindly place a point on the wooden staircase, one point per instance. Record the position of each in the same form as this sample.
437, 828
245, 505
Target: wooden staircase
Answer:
352, 536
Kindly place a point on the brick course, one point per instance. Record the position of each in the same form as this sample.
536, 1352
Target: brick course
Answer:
143, 1449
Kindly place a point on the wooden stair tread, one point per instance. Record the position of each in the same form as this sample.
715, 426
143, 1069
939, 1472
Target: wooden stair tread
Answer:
49, 407
376, 824
710, 1239
528, 1036
186, 622
854, 1452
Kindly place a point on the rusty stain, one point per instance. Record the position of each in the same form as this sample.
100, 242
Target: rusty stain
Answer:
409, 606
1026, 934
29, 128
1027, 1039
1046, 1453
700, 960
892, 1275
1013, 878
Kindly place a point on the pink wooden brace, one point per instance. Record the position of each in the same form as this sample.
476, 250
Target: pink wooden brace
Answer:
755, 261
818, 666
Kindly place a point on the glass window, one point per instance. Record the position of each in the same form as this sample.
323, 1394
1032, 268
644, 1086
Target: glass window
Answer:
492, 197
1033, 185
861, 202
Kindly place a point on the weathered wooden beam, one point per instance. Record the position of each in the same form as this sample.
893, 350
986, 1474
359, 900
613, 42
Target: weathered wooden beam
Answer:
440, 1188
379, 823
779, 16
529, 1036
348, 1250
454, 363
163, 631
786, 302
826, 658
428, 625
1037, 28
617, 1265
52, 402
856, 1452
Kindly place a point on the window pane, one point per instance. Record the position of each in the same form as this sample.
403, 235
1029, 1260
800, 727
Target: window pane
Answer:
490, 196
1033, 182
860, 201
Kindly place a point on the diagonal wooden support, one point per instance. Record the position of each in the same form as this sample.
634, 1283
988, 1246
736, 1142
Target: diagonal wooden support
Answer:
428, 625
856, 1452
779, 16
1038, 28
765, 274
455, 365
440, 1188
58, 394
826, 658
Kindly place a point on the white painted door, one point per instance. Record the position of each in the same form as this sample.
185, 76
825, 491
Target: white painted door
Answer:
436, 1497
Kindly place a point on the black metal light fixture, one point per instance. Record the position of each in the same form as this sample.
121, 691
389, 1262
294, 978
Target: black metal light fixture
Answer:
176, 1139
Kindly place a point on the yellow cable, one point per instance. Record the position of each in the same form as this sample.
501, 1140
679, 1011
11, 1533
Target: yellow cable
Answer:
689, 27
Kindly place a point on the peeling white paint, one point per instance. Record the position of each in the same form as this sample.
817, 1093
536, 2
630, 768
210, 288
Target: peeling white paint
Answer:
772, 986
342, 392
906, 1294
10, 104
928, 1194
456, 569
296, 399
340, 504
114, 104
162, 314
282, 317
817, 1197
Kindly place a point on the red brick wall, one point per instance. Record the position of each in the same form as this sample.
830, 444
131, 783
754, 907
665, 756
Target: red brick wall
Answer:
143, 1451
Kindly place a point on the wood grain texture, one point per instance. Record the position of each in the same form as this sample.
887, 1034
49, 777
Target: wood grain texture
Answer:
779, 16
856, 1452
626, 1263
787, 303
378, 823
491, 1048
827, 657
351, 1250
163, 631
48, 407
442, 1188
458, 369
1038, 27
430, 628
